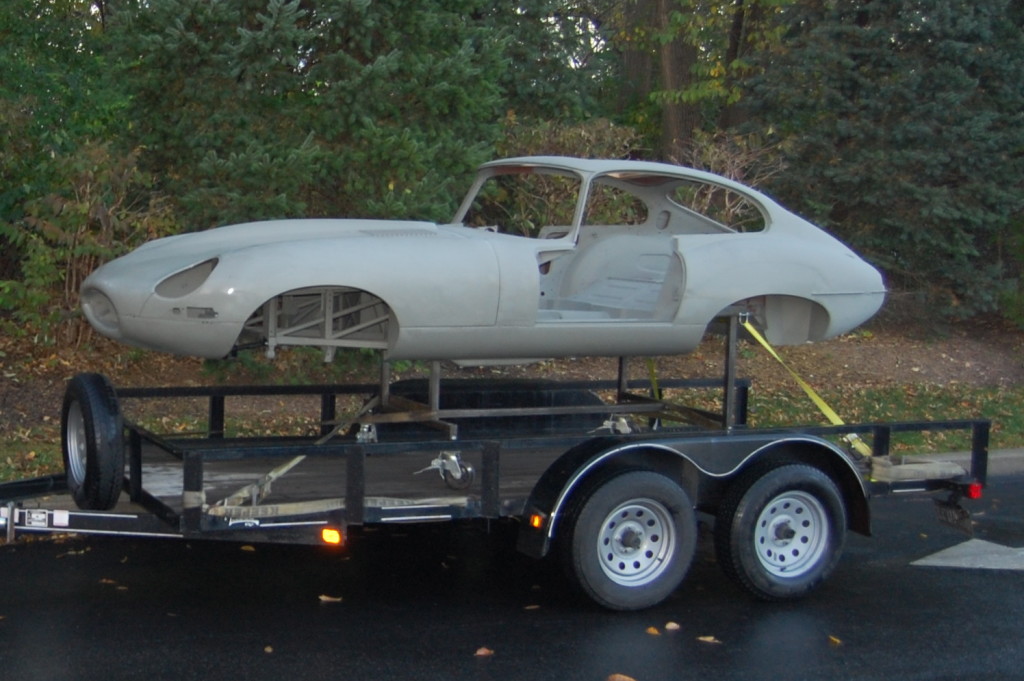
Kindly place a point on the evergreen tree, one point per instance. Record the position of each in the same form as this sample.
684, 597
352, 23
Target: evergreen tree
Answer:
261, 108
903, 122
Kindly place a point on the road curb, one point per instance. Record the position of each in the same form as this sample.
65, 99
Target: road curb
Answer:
1000, 461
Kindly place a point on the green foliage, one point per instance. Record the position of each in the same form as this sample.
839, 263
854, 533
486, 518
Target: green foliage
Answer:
902, 126
55, 93
556, 65
684, 63
127, 119
216, 103
593, 138
899, 122
65, 195
413, 104
100, 206
268, 108
522, 204
724, 34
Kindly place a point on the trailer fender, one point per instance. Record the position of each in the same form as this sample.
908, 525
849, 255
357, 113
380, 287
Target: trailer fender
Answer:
599, 457
702, 461
831, 460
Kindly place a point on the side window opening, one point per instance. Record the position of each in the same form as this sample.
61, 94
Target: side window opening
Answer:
525, 204
727, 209
609, 205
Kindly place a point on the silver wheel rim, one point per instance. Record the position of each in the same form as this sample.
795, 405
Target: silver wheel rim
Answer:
791, 535
636, 542
76, 442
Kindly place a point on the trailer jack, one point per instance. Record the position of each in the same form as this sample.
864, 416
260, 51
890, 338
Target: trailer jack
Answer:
455, 472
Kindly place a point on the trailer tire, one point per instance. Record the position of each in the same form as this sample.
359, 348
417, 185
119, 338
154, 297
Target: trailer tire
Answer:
629, 540
92, 442
780, 530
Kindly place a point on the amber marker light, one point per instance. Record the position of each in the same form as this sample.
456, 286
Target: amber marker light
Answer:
331, 535
536, 521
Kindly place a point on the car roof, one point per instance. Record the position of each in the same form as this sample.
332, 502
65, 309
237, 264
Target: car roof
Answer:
592, 166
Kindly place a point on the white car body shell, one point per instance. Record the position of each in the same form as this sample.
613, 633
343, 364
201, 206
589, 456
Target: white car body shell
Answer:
419, 290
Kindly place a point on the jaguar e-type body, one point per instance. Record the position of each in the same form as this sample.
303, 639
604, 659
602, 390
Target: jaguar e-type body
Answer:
546, 257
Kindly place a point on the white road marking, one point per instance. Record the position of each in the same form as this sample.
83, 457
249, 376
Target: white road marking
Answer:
976, 554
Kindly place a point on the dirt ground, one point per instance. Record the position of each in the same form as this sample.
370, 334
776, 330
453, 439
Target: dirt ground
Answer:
981, 353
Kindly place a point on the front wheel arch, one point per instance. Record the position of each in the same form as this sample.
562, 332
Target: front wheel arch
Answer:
326, 316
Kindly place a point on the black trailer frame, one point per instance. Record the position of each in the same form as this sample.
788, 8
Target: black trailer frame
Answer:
709, 459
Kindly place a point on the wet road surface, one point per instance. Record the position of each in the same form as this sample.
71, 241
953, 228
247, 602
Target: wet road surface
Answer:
419, 602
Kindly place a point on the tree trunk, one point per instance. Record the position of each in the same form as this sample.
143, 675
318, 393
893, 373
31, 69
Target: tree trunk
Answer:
676, 60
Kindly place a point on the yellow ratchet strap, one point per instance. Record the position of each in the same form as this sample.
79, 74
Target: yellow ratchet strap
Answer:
652, 375
851, 439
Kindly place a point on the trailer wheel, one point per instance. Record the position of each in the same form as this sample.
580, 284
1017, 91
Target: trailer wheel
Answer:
92, 442
780, 530
629, 542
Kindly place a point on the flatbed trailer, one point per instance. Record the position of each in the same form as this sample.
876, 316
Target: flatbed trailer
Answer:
606, 475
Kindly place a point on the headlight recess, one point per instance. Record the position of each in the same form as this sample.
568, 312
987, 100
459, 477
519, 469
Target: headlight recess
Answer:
186, 281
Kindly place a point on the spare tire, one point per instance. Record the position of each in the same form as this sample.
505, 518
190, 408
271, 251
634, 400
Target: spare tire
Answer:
92, 442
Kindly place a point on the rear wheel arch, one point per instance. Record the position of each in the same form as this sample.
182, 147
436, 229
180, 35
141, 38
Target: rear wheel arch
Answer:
787, 319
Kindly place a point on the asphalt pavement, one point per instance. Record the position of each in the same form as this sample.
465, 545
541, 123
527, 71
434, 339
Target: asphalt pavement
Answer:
455, 601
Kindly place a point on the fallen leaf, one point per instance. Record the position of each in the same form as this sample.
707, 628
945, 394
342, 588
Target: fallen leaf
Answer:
107, 581
672, 626
653, 631
619, 677
248, 547
74, 553
268, 649
483, 652
324, 598
532, 607
834, 641
708, 639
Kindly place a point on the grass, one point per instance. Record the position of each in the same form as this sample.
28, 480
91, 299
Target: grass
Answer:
36, 452
1003, 406
30, 456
